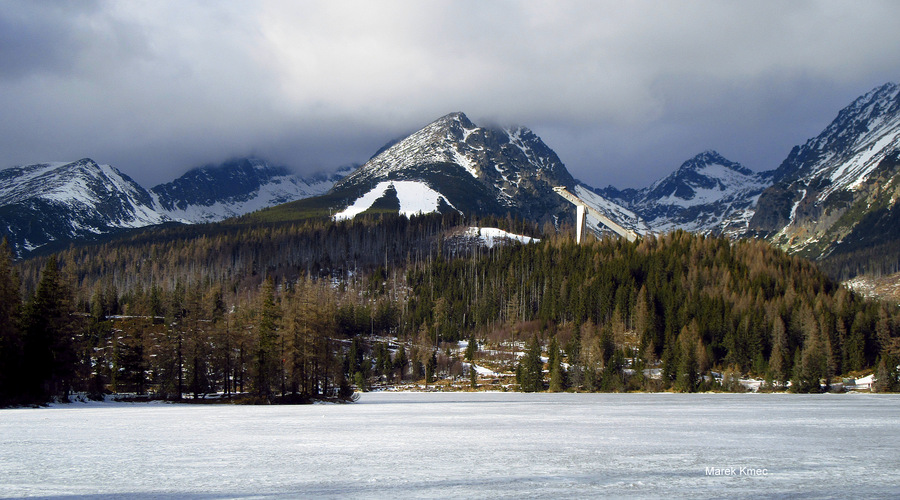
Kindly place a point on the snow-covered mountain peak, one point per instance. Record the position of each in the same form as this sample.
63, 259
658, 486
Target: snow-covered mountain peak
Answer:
706, 178
705, 194
47, 202
50, 201
850, 147
855, 124
235, 187
450, 140
82, 182
712, 164
472, 169
502, 159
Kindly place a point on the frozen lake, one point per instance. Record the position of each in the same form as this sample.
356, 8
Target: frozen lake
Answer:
488, 445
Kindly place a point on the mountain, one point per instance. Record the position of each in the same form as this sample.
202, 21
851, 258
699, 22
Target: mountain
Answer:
59, 202
453, 164
834, 195
216, 192
47, 202
838, 191
707, 194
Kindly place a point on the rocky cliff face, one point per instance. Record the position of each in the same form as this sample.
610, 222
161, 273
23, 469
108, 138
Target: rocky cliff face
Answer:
827, 188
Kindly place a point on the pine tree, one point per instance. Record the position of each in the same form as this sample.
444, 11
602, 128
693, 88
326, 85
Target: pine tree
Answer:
557, 374
887, 374
856, 343
10, 334
532, 376
401, 363
471, 349
430, 367
49, 345
688, 376
778, 362
267, 341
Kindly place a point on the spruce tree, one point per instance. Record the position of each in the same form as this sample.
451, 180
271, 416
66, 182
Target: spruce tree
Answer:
49, 345
471, 349
10, 334
557, 374
430, 367
401, 362
267, 341
887, 374
532, 377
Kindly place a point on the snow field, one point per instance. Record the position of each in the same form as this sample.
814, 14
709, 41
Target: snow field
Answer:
415, 198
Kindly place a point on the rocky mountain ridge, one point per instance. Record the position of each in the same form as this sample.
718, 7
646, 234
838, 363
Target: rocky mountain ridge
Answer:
50, 203
707, 194
831, 192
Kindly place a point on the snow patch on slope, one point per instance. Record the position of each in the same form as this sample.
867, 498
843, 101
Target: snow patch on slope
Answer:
415, 198
491, 236
281, 189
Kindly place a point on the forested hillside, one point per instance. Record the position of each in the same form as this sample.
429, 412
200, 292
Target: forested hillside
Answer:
297, 311
690, 303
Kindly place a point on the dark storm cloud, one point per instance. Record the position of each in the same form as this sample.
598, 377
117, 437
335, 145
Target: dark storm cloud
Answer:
623, 91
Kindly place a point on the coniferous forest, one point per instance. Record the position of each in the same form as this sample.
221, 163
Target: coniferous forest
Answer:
292, 312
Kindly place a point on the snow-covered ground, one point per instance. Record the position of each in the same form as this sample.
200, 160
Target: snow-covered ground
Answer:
492, 235
445, 445
415, 198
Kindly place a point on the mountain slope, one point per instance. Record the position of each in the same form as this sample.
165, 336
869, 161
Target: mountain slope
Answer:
706, 194
236, 187
47, 202
58, 202
831, 189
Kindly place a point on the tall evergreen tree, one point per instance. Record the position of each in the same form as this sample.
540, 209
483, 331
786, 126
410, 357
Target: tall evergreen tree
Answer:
531, 368
10, 333
779, 363
557, 374
267, 364
49, 341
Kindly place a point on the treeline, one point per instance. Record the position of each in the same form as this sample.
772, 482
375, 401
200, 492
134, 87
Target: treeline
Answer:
300, 311
276, 342
267, 310
241, 256
686, 303
876, 260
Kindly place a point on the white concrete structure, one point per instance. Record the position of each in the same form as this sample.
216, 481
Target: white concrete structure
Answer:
583, 207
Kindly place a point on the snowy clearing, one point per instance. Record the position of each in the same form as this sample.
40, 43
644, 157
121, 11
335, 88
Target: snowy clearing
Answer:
492, 235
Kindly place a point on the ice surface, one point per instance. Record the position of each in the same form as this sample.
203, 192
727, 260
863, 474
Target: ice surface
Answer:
449, 445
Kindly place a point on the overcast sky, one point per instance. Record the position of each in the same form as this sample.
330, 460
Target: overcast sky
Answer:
624, 92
